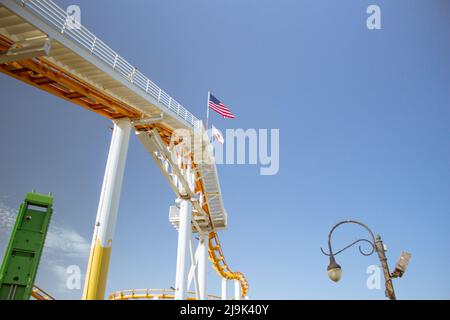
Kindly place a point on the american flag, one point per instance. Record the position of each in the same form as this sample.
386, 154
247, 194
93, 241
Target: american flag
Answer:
216, 105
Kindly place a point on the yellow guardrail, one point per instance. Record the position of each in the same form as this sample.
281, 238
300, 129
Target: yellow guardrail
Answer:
151, 294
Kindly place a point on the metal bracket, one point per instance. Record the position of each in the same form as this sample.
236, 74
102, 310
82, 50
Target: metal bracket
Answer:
27, 49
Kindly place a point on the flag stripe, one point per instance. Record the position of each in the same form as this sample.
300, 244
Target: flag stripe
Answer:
221, 111
219, 107
224, 114
216, 105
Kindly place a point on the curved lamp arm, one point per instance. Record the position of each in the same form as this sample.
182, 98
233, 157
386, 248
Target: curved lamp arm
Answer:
369, 253
372, 243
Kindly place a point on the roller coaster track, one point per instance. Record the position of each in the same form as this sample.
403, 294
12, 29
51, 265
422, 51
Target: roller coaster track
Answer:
83, 70
220, 265
151, 294
40, 294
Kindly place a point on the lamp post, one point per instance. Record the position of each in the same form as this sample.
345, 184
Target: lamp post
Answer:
334, 270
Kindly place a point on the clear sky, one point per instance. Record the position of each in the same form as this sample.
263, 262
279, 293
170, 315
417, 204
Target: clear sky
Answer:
364, 119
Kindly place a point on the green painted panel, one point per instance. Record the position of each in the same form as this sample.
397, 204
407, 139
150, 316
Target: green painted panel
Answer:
23, 254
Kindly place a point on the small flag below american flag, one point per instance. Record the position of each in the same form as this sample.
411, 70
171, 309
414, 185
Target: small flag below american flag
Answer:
216, 105
217, 135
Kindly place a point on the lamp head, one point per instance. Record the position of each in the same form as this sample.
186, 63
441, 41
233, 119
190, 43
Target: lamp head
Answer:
402, 264
334, 270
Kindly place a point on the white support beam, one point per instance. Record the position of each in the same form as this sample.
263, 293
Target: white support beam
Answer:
193, 269
194, 264
184, 236
237, 290
181, 181
202, 265
108, 207
224, 289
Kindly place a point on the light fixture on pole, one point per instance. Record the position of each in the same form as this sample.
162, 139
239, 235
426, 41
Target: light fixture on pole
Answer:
334, 270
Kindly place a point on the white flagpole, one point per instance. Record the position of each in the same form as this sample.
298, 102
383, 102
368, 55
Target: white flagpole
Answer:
207, 112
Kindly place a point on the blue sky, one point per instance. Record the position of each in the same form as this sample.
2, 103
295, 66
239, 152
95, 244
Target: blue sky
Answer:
364, 125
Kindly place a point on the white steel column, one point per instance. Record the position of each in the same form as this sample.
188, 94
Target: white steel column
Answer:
202, 265
184, 237
224, 289
105, 222
237, 290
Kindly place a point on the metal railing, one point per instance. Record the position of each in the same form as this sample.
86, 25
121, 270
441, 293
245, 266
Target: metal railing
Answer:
57, 18
157, 294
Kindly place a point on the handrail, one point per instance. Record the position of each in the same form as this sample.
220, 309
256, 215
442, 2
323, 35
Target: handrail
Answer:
161, 294
58, 19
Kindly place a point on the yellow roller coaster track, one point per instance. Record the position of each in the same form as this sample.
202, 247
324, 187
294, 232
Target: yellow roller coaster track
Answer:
151, 294
40, 294
220, 265
47, 76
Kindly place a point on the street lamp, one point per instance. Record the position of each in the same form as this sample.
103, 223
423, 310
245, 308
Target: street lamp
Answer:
334, 270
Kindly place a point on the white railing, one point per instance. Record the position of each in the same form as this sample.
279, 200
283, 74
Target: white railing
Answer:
57, 18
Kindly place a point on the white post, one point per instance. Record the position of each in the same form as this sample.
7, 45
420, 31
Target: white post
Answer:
184, 236
193, 271
202, 265
207, 112
237, 290
105, 222
224, 289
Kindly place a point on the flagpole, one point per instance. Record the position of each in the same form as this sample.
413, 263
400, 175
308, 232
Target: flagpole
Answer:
207, 112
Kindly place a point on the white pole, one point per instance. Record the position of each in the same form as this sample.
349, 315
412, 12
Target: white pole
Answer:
184, 236
202, 265
237, 290
207, 111
224, 289
105, 222
194, 266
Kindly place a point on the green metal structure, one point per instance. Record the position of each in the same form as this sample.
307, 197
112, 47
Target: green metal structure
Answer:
22, 256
